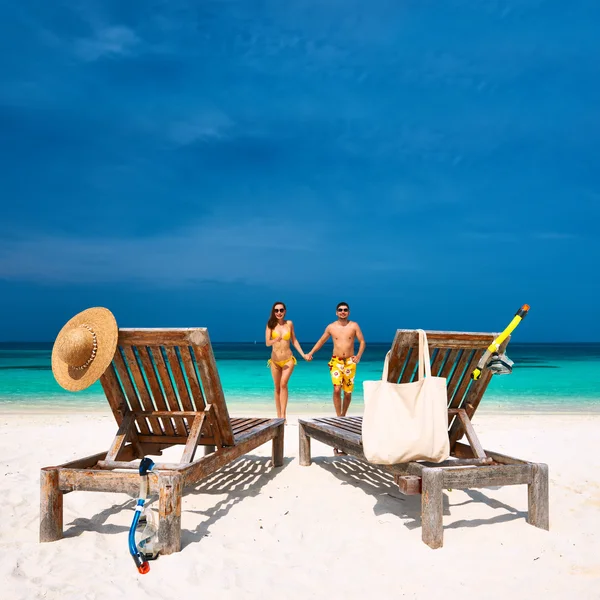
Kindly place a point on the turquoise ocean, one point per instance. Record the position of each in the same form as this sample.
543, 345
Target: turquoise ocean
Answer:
546, 377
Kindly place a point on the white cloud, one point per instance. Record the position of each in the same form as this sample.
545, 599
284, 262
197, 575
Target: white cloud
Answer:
113, 40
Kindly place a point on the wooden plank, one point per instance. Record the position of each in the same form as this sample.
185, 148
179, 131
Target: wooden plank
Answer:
248, 425
192, 442
213, 391
398, 354
472, 477
169, 512
157, 392
432, 508
268, 424
342, 423
82, 463
278, 447
471, 435
336, 434
130, 391
51, 506
504, 459
465, 451
169, 413
116, 400
449, 364
163, 337
134, 465
304, 441
207, 465
410, 369
93, 480
457, 462
470, 403
170, 395
438, 361
459, 373
145, 400
409, 485
121, 438
449, 339
177, 371
114, 393
192, 377
465, 381
173, 440
538, 513
483, 382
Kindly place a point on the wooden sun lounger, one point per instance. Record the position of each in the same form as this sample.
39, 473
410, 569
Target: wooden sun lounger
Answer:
164, 390
454, 355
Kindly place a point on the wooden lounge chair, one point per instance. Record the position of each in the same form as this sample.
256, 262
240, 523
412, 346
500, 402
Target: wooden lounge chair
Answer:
454, 356
164, 390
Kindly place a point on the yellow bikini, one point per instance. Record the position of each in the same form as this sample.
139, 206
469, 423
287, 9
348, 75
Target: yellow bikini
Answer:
281, 363
286, 335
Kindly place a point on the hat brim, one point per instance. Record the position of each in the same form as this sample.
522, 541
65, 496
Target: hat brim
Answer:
104, 325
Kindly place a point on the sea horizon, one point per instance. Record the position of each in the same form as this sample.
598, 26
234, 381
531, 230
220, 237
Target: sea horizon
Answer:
547, 376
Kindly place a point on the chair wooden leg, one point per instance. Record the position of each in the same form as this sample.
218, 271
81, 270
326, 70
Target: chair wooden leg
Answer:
432, 508
169, 512
51, 506
538, 509
305, 459
277, 454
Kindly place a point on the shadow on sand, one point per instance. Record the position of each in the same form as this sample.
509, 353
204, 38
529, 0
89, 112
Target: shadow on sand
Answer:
380, 484
240, 479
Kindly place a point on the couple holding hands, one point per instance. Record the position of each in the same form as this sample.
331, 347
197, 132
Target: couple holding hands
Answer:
280, 335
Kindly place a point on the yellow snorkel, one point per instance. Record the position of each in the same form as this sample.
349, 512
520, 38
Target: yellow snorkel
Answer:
499, 364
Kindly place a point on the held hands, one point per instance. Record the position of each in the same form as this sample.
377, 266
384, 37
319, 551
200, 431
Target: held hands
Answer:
308, 357
355, 359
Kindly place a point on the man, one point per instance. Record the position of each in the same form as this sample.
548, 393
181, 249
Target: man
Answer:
343, 362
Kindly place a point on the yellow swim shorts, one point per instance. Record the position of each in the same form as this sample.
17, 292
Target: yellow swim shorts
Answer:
343, 371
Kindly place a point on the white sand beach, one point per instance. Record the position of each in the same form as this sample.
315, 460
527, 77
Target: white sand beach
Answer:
336, 529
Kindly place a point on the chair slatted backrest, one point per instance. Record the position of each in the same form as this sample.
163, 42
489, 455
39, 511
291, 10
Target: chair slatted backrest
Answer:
453, 355
165, 371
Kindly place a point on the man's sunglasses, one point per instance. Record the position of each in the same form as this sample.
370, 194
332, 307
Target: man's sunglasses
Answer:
342, 310
279, 310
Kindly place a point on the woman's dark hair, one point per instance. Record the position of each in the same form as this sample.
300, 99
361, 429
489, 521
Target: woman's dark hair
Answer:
272, 322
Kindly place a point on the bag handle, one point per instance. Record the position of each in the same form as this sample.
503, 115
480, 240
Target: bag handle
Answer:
386, 366
424, 359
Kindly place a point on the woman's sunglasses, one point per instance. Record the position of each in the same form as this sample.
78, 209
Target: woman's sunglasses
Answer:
279, 310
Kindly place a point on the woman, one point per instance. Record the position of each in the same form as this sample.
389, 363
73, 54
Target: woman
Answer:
278, 335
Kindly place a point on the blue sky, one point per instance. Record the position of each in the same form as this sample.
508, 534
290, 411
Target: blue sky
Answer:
188, 163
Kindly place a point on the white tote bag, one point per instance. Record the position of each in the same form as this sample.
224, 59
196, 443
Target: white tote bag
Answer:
406, 421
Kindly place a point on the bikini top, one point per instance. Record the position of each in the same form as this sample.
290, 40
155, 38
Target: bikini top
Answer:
286, 335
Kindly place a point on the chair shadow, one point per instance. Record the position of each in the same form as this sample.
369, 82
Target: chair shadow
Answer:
512, 513
242, 478
379, 483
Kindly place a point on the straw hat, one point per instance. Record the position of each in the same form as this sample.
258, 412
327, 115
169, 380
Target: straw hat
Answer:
84, 348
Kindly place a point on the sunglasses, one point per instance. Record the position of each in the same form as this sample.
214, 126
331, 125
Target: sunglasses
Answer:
342, 310
279, 310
